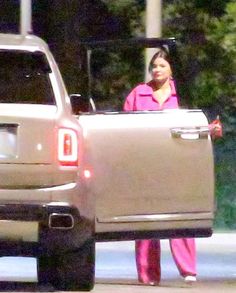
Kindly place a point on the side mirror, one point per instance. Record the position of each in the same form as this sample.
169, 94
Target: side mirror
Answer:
81, 104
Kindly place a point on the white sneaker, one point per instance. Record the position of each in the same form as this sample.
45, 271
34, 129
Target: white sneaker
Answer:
150, 283
153, 283
190, 279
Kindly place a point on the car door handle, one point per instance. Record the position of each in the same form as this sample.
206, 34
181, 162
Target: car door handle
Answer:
190, 132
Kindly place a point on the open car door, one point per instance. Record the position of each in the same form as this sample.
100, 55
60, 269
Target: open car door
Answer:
152, 173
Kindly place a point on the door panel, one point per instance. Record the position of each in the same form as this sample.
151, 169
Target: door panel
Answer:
150, 171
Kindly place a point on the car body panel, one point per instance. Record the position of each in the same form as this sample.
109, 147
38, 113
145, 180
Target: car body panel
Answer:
34, 184
145, 175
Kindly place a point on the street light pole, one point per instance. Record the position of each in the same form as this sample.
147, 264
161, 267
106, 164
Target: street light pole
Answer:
153, 27
25, 17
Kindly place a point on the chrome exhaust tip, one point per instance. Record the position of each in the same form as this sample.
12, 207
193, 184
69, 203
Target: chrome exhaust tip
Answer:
61, 221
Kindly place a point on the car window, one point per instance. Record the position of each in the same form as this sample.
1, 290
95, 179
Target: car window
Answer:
24, 78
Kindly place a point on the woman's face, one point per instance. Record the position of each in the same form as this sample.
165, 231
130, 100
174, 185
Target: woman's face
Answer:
160, 70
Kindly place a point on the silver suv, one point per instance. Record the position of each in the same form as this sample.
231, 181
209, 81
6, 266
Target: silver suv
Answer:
41, 211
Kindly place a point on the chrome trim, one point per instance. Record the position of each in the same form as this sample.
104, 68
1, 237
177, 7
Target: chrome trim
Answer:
66, 186
157, 217
190, 132
58, 204
63, 215
43, 189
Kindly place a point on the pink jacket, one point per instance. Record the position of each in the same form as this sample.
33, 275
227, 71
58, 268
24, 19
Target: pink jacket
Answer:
141, 98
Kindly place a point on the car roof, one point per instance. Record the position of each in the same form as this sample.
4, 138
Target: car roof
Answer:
22, 42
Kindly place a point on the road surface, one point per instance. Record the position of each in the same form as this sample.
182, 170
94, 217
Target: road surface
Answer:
116, 272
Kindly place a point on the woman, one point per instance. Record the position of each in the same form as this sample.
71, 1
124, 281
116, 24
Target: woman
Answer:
160, 94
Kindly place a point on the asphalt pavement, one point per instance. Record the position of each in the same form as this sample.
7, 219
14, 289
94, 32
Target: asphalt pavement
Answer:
216, 259
116, 270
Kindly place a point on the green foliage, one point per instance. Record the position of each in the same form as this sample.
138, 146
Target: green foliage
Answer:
114, 73
131, 12
225, 182
222, 30
120, 5
208, 51
9, 16
206, 88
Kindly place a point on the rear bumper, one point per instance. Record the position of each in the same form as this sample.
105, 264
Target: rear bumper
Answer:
34, 229
34, 212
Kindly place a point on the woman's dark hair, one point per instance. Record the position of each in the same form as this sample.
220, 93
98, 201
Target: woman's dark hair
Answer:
162, 52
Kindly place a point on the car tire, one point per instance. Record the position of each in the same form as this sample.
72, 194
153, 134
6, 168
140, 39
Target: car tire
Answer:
76, 270
46, 270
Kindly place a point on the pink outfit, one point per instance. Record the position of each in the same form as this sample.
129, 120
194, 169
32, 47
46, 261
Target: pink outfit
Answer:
148, 257
142, 98
148, 251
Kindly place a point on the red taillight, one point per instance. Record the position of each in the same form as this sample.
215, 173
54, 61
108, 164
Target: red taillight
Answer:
67, 147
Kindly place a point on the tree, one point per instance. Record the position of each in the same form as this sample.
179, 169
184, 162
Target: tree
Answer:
222, 32
65, 24
188, 21
9, 16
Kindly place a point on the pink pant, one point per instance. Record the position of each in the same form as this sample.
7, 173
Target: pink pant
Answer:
148, 256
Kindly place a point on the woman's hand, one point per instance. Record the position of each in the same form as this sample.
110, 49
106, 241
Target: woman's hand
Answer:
216, 129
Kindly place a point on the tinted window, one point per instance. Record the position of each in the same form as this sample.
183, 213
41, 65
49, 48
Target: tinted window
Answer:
24, 78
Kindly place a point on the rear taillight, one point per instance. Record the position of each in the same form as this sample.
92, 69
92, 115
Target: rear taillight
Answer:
67, 147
